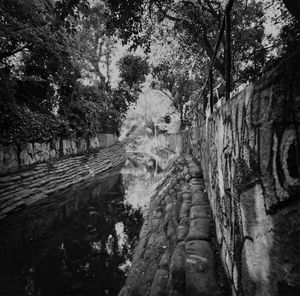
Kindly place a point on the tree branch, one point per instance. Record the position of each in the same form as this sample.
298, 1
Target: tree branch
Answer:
212, 10
5, 55
203, 40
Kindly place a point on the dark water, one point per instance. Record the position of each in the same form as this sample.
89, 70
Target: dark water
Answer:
79, 242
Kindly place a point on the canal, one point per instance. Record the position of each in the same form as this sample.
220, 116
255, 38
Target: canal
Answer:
78, 242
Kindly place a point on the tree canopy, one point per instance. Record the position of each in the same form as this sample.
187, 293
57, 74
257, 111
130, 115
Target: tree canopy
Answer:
195, 25
133, 70
56, 56
180, 37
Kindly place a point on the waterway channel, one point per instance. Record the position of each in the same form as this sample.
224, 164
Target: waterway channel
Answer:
78, 242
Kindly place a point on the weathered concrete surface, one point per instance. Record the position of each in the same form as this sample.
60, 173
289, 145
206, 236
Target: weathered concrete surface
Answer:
175, 254
15, 158
249, 151
40, 180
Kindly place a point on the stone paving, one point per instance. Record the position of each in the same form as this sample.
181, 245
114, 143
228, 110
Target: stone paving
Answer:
175, 255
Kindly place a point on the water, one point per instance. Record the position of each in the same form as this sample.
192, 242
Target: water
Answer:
78, 242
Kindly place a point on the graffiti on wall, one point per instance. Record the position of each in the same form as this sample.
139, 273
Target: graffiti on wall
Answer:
249, 152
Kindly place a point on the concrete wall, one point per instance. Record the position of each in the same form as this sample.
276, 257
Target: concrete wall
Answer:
15, 158
45, 175
249, 152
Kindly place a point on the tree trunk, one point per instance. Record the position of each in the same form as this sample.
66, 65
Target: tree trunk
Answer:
182, 125
210, 52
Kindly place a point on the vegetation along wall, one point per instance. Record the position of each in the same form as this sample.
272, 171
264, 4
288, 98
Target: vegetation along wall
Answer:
249, 152
33, 171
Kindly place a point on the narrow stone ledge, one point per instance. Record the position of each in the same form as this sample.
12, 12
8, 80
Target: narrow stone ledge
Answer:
178, 230
199, 211
159, 284
198, 198
165, 260
199, 229
185, 209
200, 271
177, 269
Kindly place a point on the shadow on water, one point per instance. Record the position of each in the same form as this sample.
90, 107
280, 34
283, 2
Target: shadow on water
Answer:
78, 242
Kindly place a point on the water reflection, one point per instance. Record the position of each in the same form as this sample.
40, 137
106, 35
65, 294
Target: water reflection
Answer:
79, 242
141, 174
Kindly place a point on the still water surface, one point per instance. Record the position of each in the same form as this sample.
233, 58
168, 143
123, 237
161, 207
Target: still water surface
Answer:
78, 242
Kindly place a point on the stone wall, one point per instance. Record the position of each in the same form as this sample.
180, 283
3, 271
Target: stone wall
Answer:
249, 152
175, 254
14, 158
41, 179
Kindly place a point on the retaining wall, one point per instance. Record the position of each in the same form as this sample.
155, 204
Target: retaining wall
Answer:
43, 169
14, 158
249, 152
175, 254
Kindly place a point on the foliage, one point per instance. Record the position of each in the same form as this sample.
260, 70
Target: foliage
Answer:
196, 25
133, 70
126, 15
21, 125
175, 70
180, 36
55, 58
179, 85
91, 47
288, 39
84, 115
33, 38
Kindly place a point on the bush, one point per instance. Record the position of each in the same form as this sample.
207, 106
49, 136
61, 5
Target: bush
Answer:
21, 125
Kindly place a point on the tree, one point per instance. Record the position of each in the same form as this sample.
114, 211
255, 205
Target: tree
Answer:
133, 70
196, 24
179, 89
91, 48
35, 25
180, 36
288, 39
33, 48
55, 57
175, 69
